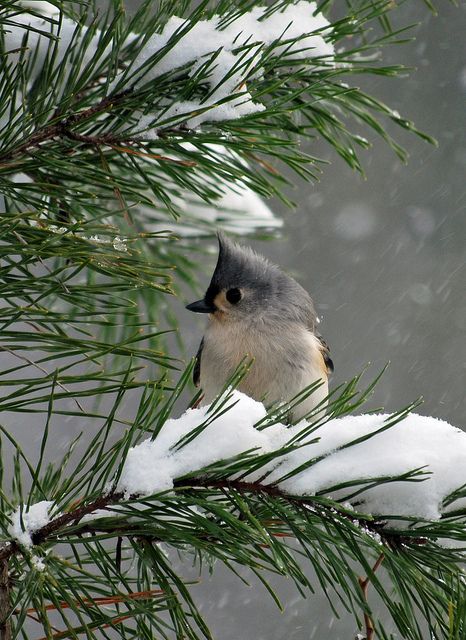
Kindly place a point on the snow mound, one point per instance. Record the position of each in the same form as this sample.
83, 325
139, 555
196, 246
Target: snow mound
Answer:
416, 442
25, 523
152, 466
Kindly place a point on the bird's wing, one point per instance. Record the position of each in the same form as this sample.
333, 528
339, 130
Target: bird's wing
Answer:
197, 365
324, 349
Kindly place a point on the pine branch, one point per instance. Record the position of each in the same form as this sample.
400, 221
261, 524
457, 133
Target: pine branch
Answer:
57, 527
364, 584
62, 128
108, 140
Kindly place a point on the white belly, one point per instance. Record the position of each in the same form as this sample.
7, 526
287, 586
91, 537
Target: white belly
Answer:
283, 365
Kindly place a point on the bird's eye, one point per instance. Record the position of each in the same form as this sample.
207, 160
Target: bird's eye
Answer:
233, 296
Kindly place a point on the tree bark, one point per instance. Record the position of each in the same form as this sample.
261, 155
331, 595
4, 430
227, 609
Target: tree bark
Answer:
5, 625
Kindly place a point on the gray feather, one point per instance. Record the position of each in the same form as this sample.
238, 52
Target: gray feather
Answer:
277, 295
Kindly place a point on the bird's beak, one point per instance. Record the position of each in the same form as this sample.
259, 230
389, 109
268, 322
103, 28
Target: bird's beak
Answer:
201, 306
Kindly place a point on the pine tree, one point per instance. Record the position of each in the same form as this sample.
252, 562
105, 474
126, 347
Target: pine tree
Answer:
117, 131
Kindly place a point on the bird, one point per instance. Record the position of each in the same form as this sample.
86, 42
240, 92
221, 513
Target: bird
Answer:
259, 313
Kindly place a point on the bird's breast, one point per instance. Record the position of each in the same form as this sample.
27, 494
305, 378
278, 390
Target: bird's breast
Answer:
285, 360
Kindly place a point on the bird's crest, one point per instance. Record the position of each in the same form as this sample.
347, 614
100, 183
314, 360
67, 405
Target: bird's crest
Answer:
240, 266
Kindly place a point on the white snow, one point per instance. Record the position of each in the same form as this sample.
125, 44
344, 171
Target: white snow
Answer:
416, 441
43, 8
38, 39
36, 517
119, 244
206, 36
182, 43
226, 75
151, 467
245, 211
238, 210
99, 513
38, 563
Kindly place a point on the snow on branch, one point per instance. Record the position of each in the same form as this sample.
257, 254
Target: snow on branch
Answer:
237, 208
219, 56
25, 522
358, 459
227, 97
405, 468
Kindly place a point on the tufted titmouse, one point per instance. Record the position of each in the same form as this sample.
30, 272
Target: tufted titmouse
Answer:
258, 312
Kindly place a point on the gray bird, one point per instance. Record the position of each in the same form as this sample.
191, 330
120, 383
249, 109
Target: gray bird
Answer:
258, 312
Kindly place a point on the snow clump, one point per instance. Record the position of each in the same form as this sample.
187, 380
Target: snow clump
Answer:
352, 449
226, 74
25, 523
152, 466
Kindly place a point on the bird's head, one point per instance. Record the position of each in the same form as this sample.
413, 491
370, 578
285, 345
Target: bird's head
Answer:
246, 286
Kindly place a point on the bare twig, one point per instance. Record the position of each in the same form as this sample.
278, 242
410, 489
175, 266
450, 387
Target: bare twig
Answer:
102, 601
364, 584
5, 625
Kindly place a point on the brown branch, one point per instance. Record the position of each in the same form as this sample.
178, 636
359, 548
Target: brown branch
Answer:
73, 516
58, 523
364, 584
101, 601
63, 127
109, 141
78, 510
91, 140
5, 611
60, 635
